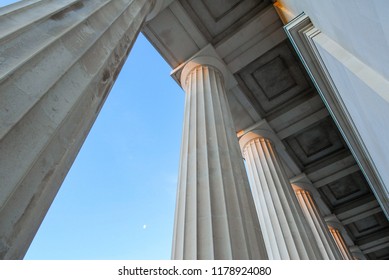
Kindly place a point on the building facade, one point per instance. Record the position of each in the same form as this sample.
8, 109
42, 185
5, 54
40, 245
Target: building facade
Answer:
297, 88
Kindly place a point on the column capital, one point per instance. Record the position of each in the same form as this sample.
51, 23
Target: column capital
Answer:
197, 61
252, 135
259, 130
303, 183
264, 130
333, 221
340, 236
207, 56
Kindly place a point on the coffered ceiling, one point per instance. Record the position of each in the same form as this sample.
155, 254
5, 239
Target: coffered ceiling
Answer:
273, 87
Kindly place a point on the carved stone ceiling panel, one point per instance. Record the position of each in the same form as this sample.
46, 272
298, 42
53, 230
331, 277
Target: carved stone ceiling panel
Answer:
315, 142
382, 254
367, 224
218, 18
344, 189
274, 80
372, 224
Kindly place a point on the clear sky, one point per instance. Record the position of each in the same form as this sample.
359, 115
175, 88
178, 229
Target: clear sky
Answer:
118, 200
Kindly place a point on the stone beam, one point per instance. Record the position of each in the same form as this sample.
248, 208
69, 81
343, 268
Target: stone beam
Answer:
333, 171
375, 242
357, 210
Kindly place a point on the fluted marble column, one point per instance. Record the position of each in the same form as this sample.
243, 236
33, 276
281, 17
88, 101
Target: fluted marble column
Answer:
215, 213
339, 240
286, 233
324, 240
58, 61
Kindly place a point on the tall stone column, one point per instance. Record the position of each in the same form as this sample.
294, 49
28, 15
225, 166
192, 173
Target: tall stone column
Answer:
340, 242
327, 247
286, 233
215, 212
334, 228
58, 61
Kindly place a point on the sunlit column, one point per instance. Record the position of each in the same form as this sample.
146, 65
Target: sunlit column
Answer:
285, 231
215, 212
324, 240
334, 228
58, 61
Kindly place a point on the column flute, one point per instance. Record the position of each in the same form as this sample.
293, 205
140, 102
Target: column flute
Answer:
215, 213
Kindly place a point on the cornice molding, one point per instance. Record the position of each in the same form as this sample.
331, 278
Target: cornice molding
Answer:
302, 32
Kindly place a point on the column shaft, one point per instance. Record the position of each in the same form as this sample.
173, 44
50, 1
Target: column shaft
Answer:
215, 213
327, 247
342, 246
286, 233
59, 60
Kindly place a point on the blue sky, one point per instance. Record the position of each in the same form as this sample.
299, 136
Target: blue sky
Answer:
118, 199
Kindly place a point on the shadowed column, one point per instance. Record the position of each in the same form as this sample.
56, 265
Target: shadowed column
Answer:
58, 61
285, 231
